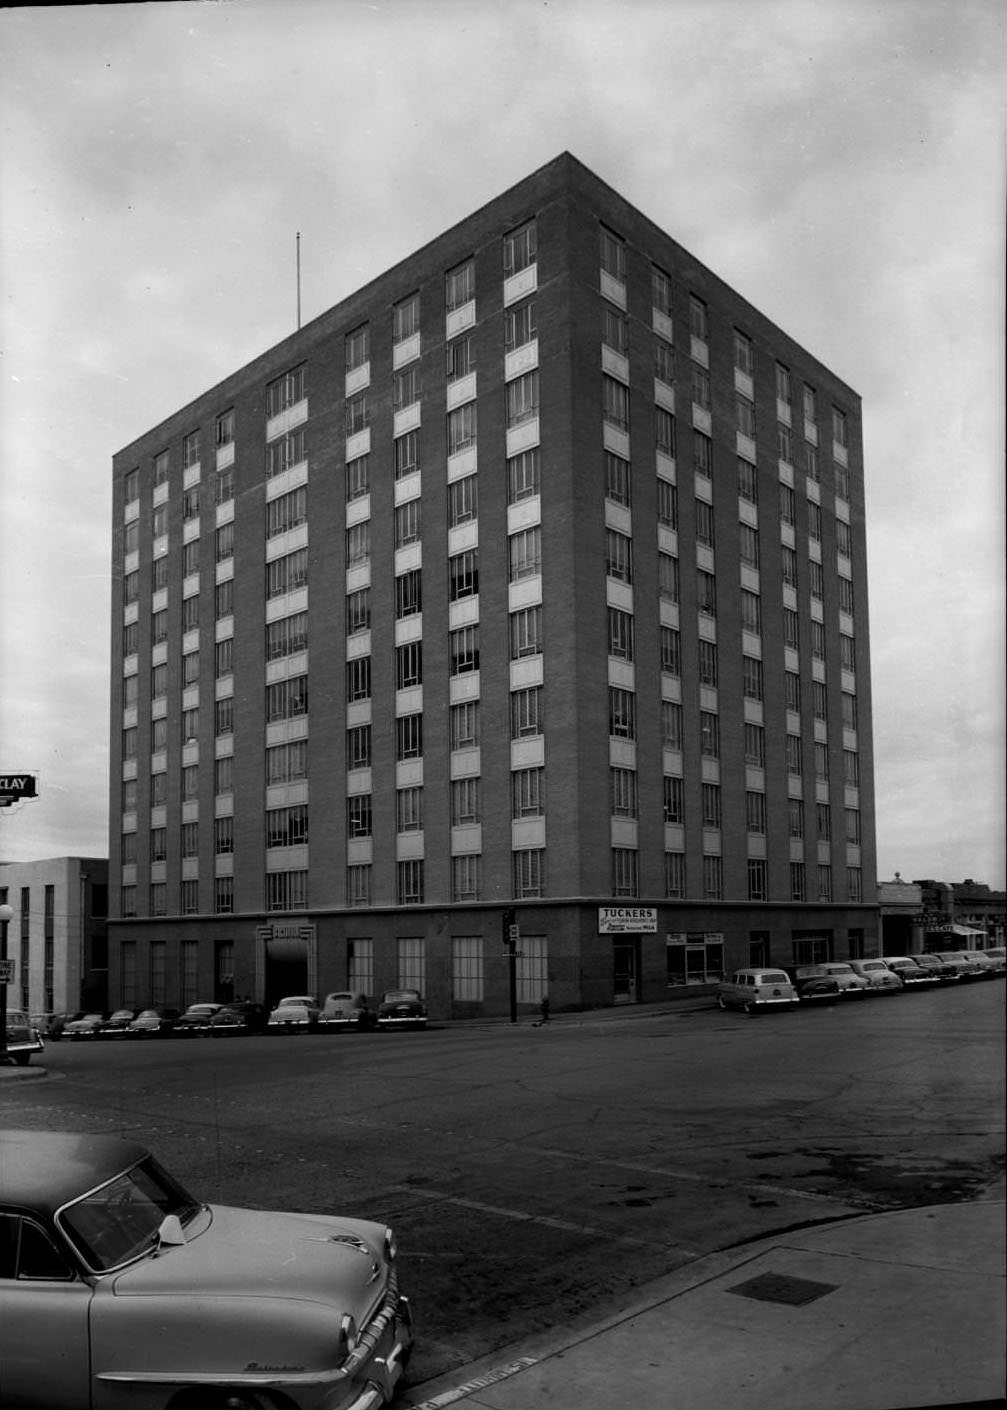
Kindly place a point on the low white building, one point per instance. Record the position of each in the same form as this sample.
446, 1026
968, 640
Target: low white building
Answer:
57, 938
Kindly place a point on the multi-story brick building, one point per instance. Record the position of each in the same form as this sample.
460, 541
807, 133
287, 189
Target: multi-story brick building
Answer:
532, 576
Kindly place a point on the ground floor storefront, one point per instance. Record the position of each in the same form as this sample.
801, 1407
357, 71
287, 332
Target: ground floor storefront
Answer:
471, 962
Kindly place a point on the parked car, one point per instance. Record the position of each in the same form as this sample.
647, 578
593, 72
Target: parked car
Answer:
86, 1027
348, 1009
911, 974
402, 1008
964, 961
812, 984
946, 973
880, 979
22, 1039
153, 1023
55, 1023
297, 1013
755, 989
117, 1023
999, 957
239, 1018
851, 984
982, 959
120, 1287
195, 1020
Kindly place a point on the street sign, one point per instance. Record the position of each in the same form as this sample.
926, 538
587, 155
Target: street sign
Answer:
6, 971
14, 787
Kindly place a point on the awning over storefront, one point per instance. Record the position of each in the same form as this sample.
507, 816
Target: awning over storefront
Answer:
962, 930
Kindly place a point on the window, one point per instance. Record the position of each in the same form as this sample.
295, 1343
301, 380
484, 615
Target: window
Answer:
131, 537
846, 596
614, 329
814, 520
407, 523
223, 486
358, 543
792, 691
190, 726
519, 325
189, 898
797, 887
286, 574
613, 254
526, 712
223, 657
190, 553
460, 285
463, 723
463, 574
286, 512
158, 898
222, 775
158, 844
810, 413
357, 477
819, 700
287, 699
700, 387
525, 554
671, 724
698, 321
190, 782
527, 793
615, 403
667, 503
791, 629
849, 708
286, 636
751, 612
223, 599
466, 968
623, 793
825, 883
674, 874
755, 811
285, 392
223, 716
823, 821
130, 691
463, 649
751, 668
406, 318
159, 521
664, 361
408, 594
811, 462
286, 891
621, 713
618, 556
816, 579
358, 679
529, 875
748, 482
224, 429
523, 399
285, 452
841, 476
853, 825
519, 249
465, 805
463, 501
405, 386
854, 888
357, 348
782, 383
706, 593
704, 523
707, 661
625, 872
161, 464
159, 735
840, 431
660, 291
795, 817
756, 879
617, 478
794, 754
525, 632
409, 810
523, 475
674, 805
131, 485
410, 883
709, 734
851, 768
408, 665
406, 453
190, 503
818, 640
131, 586
755, 745
787, 505
287, 827
358, 815
844, 540
702, 454
286, 762
357, 414
743, 360
409, 737
358, 890
158, 681
664, 424
461, 357
190, 668
620, 634
713, 878
748, 543
223, 835
358, 611
671, 651
745, 411
358, 747
129, 744
667, 577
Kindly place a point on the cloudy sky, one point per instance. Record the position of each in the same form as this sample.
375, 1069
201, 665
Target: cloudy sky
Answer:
840, 163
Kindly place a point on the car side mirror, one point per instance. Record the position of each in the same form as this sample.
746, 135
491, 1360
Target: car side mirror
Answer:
170, 1231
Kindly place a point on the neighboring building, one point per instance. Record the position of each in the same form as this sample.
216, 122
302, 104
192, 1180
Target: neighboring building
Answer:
900, 904
533, 575
962, 915
58, 938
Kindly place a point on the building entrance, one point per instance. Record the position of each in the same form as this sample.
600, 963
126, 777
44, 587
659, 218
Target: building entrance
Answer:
626, 969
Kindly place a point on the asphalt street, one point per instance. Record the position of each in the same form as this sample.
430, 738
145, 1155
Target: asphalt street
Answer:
536, 1175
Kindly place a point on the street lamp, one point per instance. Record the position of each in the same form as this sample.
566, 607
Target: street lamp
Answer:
6, 916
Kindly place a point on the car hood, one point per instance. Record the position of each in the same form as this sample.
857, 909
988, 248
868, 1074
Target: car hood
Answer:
253, 1253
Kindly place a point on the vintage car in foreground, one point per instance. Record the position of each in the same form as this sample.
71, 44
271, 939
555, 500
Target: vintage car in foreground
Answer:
22, 1039
295, 1014
119, 1289
347, 1008
402, 1008
755, 989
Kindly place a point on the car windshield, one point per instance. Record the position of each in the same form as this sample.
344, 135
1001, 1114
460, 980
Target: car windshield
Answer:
117, 1222
398, 996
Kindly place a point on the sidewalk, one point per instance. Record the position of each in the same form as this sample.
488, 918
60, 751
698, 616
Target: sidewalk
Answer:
881, 1312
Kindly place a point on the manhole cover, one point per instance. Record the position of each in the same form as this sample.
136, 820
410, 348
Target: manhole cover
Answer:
780, 1287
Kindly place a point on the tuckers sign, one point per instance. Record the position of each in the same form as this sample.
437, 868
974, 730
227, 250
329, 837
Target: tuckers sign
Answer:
620, 920
18, 785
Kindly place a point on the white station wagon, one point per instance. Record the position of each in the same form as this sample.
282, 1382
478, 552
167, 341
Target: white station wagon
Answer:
754, 989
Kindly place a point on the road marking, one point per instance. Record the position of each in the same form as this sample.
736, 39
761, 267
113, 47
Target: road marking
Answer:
489, 1378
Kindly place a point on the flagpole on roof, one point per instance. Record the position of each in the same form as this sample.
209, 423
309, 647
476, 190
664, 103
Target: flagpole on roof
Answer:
298, 279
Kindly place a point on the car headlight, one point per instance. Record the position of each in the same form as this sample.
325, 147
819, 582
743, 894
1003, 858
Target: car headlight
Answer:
348, 1335
391, 1247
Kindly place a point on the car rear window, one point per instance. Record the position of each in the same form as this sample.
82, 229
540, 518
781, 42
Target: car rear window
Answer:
773, 977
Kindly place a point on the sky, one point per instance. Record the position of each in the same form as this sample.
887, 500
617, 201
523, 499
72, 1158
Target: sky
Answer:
839, 163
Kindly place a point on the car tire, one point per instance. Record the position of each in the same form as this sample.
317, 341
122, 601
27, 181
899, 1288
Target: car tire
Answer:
752, 1009
22, 1059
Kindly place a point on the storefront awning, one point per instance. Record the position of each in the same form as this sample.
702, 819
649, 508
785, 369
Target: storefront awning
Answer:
962, 930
